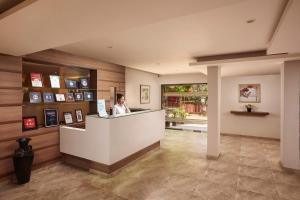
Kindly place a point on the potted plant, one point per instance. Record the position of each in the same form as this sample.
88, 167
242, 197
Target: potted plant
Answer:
249, 107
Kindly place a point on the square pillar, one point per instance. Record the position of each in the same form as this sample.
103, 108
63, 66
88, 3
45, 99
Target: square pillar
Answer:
213, 111
290, 100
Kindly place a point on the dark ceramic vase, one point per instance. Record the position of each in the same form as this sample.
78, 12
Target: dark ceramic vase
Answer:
23, 159
249, 109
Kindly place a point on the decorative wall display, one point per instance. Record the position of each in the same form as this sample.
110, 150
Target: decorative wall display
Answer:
70, 97
78, 96
145, 94
36, 79
29, 123
68, 118
60, 97
54, 81
35, 97
249, 93
71, 84
51, 117
79, 116
48, 97
88, 96
84, 83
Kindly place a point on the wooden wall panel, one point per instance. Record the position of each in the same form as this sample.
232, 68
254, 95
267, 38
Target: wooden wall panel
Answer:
11, 63
111, 76
46, 140
46, 154
10, 80
10, 131
7, 148
6, 166
11, 96
104, 95
10, 113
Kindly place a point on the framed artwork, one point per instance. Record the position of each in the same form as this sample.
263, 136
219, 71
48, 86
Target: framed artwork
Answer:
36, 79
60, 97
29, 123
54, 81
71, 84
35, 97
48, 97
145, 94
78, 96
68, 118
70, 97
79, 116
249, 93
51, 117
84, 83
88, 96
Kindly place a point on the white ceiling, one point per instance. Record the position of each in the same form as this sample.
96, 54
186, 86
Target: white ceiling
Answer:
156, 36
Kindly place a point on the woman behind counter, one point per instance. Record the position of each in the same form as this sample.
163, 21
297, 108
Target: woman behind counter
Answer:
120, 108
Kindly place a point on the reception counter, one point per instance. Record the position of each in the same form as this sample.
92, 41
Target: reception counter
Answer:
107, 144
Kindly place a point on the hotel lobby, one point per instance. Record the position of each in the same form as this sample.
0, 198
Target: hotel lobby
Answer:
150, 100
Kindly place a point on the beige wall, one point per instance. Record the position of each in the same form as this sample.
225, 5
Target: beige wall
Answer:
268, 126
133, 80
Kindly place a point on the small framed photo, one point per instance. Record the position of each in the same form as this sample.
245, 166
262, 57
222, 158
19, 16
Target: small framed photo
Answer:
70, 97
68, 118
60, 97
84, 83
51, 117
88, 96
78, 96
29, 123
54, 81
48, 97
145, 94
71, 84
36, 79
79, 116
35, 97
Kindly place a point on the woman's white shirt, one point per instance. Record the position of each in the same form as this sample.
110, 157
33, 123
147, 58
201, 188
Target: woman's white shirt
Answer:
120, 109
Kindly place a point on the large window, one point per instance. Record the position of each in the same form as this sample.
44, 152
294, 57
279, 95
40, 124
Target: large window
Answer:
185, 101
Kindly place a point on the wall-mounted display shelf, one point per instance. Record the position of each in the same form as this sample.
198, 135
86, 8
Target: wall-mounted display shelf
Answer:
36, 79
253, 113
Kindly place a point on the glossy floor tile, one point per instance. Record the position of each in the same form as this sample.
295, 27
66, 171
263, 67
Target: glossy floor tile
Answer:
247, 169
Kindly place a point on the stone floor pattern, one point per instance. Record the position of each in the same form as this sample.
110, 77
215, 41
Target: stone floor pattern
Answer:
247, 170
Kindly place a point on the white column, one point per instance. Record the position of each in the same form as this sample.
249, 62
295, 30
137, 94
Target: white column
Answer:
213, 112
289, 142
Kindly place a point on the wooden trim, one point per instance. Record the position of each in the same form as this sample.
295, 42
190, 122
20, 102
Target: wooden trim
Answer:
111, 81
9, 105
108, 169
107, 70
10, 122
11, 88
232, 56
11, 71
249, 136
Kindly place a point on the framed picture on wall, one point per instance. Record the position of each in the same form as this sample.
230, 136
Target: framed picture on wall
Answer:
249, 93
54, 81
48, 97
51, 117
79, 116
68, 118
36, 79
84, 83
29, 123
145, 94
60, 97
35, 97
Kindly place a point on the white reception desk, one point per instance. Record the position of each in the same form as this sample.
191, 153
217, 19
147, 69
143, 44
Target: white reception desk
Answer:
107, 144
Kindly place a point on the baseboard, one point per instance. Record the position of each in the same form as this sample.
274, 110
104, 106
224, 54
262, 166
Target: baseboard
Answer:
249, 136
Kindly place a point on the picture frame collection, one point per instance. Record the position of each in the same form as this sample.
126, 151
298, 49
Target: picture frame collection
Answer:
77, 90
70, 84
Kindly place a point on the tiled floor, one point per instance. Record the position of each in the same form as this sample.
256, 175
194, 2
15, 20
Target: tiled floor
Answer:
247, 170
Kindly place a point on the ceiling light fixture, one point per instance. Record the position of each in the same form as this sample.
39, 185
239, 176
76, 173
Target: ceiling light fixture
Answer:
109, 47
250, 21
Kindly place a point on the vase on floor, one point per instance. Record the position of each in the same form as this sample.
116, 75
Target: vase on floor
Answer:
23, 159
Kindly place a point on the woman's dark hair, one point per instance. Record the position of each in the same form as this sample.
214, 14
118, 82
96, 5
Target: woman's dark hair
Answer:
119, 96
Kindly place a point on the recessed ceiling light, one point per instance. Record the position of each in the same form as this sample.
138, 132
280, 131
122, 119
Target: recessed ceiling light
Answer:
109, 47
250, 21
